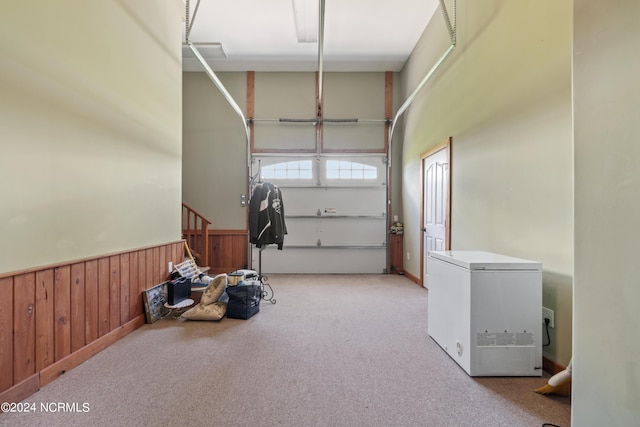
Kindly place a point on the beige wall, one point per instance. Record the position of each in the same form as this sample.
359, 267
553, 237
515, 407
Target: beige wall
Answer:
289, 96
504, 96
354, 95
90, 124
215, 173
606, 386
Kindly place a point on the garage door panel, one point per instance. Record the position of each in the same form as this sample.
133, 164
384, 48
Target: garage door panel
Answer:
338, 136
321, 260
298, 137
335, 212
335, 231
327, 201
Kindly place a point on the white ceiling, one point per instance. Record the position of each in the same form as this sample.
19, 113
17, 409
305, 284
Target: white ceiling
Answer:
259, 35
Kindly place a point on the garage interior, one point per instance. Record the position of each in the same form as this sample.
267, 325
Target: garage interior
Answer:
111, 126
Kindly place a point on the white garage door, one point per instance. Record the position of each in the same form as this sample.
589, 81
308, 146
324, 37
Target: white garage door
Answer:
335, 213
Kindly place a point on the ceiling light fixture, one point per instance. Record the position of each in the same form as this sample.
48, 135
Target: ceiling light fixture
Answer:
306, 16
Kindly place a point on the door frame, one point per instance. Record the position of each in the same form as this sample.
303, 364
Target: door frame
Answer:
446, 145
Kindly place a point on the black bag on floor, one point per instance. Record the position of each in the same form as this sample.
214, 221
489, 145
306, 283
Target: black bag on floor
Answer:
244, 301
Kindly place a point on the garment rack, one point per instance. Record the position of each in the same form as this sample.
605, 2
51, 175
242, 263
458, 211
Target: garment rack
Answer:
266, 291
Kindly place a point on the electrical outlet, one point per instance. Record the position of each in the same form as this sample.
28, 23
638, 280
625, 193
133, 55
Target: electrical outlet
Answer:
547, 313
408, 256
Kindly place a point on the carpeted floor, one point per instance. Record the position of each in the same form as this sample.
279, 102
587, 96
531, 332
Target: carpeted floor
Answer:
333, 351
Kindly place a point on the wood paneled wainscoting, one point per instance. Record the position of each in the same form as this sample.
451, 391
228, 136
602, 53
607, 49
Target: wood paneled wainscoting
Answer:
228, 250
55, 317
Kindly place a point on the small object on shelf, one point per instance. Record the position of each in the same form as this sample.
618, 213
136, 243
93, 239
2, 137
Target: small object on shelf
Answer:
234, 277
397, 228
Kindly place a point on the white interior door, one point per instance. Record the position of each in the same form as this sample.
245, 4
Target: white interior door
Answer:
435, 209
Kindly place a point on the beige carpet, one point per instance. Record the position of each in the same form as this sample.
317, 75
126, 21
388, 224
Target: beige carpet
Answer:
333, 351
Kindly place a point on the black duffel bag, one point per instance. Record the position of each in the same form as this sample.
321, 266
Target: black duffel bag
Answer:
244, 301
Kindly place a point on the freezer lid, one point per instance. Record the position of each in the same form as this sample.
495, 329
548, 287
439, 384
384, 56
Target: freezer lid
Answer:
480, 260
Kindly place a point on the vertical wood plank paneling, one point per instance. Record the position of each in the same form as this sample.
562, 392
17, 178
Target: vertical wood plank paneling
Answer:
62, 324
239, 252
142, 271
149, 271
216, 254
53, 312
168, 250
227, 244
91, 301
156, 265
114, 292
45, 317
236, 255
172, 248
103, 296
135, 301
235, 258
77, 306
228, 250
224, 255
6, 333
172, 255
177, 252
24, 336
214, 257
124, 289
163, 264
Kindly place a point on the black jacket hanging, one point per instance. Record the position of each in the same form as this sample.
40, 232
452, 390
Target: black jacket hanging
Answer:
266, 216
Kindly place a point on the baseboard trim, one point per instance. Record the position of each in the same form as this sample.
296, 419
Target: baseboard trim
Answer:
58, 368
413, 278
551, 367
29, 386
55, 317
21, 391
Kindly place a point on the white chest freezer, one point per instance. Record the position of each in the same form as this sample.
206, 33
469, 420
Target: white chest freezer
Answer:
485, 311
